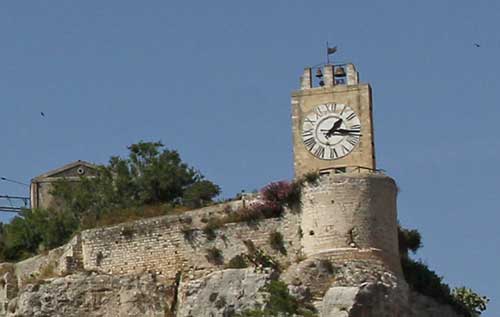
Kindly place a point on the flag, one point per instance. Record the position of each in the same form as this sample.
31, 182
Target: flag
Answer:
331, 50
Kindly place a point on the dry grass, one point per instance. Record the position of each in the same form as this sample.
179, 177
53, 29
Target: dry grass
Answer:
131, 214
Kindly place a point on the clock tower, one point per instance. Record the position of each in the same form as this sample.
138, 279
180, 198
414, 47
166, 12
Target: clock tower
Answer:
349, 214
332, 122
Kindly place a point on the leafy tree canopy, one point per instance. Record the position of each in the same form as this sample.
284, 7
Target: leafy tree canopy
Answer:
150, 175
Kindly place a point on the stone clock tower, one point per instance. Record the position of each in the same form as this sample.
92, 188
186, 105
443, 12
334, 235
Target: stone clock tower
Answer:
350, 213
332, 123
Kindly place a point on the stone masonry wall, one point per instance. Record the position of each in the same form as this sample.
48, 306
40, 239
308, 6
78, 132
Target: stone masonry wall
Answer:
164, 245
350, 212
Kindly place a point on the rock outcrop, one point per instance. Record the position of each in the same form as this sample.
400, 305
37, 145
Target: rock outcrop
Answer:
92, 295
223, 293
379, 300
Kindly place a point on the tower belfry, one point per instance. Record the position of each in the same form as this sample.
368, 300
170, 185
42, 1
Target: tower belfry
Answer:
332, 121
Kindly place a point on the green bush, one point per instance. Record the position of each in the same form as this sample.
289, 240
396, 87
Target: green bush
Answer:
237, 262
409, 240
211, 226
311, 178
280, 303
327, 266
277, 242
251, 248
214, 256
220, 303
200, 194
258, 258
280, 300
35, 230
472, 301
128, 232
425, 281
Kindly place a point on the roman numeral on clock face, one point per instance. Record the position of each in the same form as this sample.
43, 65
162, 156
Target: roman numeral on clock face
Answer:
351, 116
333, 153
321, 110
355, 127
345, 149
331, 107
343, 109
319, 152
310, 143
307, 133
353, 140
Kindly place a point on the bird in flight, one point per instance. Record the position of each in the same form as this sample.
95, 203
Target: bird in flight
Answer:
477, 45
42, 114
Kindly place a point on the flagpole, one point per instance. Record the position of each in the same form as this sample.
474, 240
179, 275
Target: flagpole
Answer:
327, 55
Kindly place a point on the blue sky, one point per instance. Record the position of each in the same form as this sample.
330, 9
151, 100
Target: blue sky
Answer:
213, 80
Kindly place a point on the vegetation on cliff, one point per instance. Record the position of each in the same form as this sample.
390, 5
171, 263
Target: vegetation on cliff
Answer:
425, 281
151, 181
281, 303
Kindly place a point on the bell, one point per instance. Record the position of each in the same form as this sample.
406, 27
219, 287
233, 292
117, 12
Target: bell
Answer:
339, 72
319, 74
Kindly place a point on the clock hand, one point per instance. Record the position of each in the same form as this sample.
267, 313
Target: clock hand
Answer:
340, 130
353, 133
332, 130
347, 131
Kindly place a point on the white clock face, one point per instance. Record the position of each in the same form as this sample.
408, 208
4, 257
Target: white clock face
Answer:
331, 131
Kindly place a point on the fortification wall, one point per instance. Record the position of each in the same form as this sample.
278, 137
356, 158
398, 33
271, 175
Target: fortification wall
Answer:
167, 245
347, 212
342, 216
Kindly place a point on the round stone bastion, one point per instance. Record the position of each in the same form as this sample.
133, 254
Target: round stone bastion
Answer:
351, 216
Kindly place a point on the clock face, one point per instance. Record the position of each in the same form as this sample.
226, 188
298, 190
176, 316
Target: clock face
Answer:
331, 131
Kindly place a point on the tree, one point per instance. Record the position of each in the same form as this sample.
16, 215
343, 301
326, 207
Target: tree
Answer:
34, 230
200, 193
151, 174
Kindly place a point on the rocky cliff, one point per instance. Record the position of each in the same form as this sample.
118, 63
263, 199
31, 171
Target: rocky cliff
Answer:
223, 293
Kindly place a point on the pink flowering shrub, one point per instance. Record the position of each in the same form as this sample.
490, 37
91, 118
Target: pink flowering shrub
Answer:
282, 193
275, 197
268, 209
